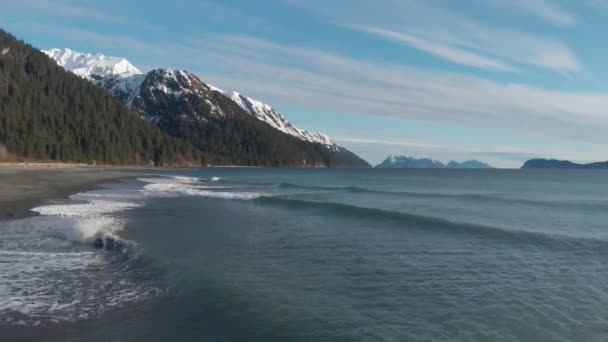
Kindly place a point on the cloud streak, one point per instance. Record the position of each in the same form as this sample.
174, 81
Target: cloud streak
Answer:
451, 36
70, 10
439, 49
544, 9
320, 80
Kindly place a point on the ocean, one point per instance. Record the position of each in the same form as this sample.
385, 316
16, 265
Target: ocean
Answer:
314, 255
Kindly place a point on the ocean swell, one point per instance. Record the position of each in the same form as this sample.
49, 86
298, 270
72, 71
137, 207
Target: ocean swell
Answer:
471, 196
440, 225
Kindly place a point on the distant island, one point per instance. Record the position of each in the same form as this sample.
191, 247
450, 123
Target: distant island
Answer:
561, 164
406, 162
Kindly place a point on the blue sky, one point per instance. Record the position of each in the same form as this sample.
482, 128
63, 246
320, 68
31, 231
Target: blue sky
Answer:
495, 80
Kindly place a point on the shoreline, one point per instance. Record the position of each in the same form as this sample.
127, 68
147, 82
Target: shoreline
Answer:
23, 188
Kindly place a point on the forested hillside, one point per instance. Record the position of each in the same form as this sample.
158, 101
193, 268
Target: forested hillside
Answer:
180, 104
47, 113
230, 130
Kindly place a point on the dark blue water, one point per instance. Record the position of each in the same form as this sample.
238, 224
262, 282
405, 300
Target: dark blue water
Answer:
317, 255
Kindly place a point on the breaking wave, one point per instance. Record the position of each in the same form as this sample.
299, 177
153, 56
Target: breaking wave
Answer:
70, 263
186, 186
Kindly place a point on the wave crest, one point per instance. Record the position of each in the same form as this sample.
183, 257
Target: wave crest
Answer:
186, 186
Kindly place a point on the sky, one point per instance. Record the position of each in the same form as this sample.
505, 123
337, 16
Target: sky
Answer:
501, 81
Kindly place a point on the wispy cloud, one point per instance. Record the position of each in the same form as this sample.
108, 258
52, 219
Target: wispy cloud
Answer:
452, 36
121, 45
73, 11
401, 143
547, 10
440, 49
320, 80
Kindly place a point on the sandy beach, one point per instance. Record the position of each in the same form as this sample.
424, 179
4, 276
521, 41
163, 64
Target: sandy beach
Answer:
25, 186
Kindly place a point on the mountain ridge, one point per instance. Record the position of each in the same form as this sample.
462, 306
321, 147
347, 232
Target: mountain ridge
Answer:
408, 162
123, 80
561, 164
249, 133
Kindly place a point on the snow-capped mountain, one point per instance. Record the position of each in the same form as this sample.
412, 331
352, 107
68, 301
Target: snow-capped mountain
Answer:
117, 75
469, 164
142, 92
407, 162
86, 64
275, 119
167, 95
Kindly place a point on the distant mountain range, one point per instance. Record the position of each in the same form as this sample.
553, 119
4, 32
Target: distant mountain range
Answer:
406, 162
469, 164
561, 164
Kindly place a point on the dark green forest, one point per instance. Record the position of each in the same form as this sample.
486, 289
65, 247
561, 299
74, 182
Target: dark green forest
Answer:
47, 113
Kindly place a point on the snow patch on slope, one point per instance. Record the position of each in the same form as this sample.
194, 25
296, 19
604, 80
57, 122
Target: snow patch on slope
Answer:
214, 88
86, 65
121, 78
266, 113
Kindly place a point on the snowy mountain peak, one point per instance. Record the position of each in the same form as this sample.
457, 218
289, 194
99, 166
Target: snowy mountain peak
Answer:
124, 81
92, 66
216, 89
275, 119
405, 161
175, 79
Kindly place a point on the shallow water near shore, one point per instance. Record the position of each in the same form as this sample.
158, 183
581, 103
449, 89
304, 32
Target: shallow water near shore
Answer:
314, 255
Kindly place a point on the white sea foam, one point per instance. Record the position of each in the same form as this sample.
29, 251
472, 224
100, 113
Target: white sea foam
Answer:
51, 273
175, 189
92, 208
93, 220
38, 287
190, 186
91, 229
184, 179
46, 277
170, 180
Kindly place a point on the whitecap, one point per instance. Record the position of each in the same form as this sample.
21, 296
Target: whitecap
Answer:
175, 189
91, 208
51, 273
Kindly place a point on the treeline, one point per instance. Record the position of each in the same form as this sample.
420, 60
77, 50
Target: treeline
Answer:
47, 113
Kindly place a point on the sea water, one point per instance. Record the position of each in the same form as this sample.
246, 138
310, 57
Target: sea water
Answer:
314, 255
